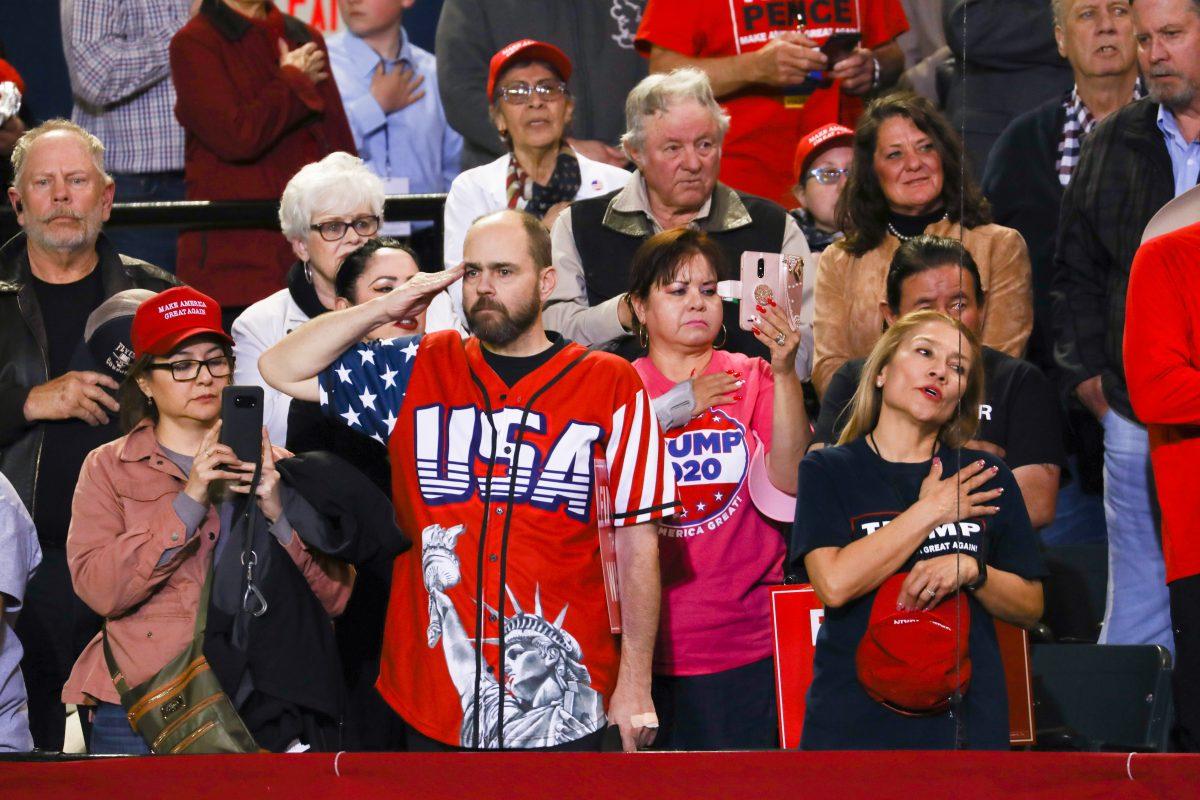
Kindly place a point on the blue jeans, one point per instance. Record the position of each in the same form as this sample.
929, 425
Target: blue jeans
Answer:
1078, 515
112, 735
154, 245
1137, 609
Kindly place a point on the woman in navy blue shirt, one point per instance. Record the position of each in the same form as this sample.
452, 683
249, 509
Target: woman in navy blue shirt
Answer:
885, 501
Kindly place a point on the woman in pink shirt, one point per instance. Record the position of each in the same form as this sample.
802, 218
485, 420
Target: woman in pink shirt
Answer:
735, 464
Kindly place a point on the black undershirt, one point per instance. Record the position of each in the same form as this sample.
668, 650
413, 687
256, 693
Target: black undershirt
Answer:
65, 309
909, 226
512, 368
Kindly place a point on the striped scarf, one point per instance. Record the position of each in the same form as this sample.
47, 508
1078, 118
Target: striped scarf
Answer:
1079, 123
523, 192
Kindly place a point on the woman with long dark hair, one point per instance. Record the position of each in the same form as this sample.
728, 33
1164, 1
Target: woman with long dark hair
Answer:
906, 179
900, 528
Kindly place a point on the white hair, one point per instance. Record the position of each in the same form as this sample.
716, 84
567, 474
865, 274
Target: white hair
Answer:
337, 184
655, 94
20, 151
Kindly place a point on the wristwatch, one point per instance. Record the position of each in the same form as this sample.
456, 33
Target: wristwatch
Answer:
980, 579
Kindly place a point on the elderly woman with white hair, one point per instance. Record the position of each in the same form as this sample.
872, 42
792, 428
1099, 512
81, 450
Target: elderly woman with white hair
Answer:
531, 108
329, 209
674, 131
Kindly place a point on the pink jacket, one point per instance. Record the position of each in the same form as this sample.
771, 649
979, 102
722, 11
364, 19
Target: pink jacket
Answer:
122, 520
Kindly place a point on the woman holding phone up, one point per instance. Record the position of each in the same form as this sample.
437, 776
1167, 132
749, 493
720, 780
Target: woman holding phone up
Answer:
150, 516
735, 460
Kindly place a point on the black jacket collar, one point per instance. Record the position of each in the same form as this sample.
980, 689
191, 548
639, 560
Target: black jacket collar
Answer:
15, 271
1139, 131
233, 26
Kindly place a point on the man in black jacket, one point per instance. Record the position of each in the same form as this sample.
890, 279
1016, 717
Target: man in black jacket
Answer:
1004, 64
52, 276
1132, 164
1027, 172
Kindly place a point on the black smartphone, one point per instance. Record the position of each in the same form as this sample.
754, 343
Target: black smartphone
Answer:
242, 421
839, 46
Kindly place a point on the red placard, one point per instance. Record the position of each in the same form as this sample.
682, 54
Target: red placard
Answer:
796, 616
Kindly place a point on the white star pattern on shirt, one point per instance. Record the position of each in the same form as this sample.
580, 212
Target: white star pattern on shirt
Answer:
351, 417
390, 420
343, 374
410, 350
700, 506
378, 438
322, 395
367, 354
718, 496
389, 378
368, 399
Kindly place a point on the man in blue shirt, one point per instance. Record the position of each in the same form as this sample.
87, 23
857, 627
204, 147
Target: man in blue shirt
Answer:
389, 88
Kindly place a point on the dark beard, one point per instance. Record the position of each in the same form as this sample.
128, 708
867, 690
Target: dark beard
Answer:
505, 328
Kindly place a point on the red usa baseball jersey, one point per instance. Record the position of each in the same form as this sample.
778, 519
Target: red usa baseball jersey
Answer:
497, 633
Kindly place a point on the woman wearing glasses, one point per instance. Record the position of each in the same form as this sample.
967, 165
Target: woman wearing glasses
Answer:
531, 109
329, 209
150, 518
907, 179
822, 163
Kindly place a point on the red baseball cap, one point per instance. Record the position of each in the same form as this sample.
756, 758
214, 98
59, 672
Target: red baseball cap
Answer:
162, 322
810, 146
914, 662
526, 50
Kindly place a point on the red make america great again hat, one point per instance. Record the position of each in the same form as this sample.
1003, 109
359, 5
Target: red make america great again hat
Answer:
164, 321
915, 661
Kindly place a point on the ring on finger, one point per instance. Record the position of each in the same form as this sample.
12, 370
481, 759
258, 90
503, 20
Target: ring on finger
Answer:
779, 340
932, 592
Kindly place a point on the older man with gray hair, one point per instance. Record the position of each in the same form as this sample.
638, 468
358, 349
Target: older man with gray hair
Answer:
52, 276
674, 131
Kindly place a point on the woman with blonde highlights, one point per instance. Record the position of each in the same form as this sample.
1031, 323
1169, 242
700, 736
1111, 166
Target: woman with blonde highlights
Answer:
899, 518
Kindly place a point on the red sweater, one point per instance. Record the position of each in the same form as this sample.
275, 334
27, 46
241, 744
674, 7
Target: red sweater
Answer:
250, 126
1162, 367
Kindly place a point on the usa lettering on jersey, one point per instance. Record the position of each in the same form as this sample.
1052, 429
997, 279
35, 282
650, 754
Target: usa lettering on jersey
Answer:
454, 448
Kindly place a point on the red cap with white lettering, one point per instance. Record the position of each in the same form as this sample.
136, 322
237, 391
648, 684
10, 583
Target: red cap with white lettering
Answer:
915, 662
526, 50
815, 142
164, 321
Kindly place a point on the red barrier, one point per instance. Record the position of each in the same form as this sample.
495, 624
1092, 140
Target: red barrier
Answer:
573, 776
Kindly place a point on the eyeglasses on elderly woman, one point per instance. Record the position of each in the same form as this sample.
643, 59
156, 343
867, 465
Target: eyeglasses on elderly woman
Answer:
335, 229
518, 94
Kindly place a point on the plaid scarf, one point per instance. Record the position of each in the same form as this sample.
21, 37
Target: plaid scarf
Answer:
1079, 123
537, 199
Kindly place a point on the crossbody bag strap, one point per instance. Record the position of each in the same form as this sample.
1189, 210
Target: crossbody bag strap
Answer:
205, 592
201, 621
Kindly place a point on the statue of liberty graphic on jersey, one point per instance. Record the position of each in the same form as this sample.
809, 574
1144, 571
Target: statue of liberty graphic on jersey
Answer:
546, 698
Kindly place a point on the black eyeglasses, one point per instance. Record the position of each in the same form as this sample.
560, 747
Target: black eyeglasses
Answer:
188, 369
518, 94
335, 229
827, 176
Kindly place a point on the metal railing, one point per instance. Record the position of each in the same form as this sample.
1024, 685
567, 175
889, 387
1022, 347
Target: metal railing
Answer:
209, 214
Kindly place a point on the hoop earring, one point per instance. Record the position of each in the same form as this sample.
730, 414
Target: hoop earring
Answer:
724, 337
307, 272
643, 336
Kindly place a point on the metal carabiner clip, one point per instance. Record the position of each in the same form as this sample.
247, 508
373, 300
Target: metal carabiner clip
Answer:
253, 595
252, 599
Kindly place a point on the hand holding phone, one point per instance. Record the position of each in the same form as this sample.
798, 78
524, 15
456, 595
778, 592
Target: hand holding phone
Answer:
840, 46
242, 420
